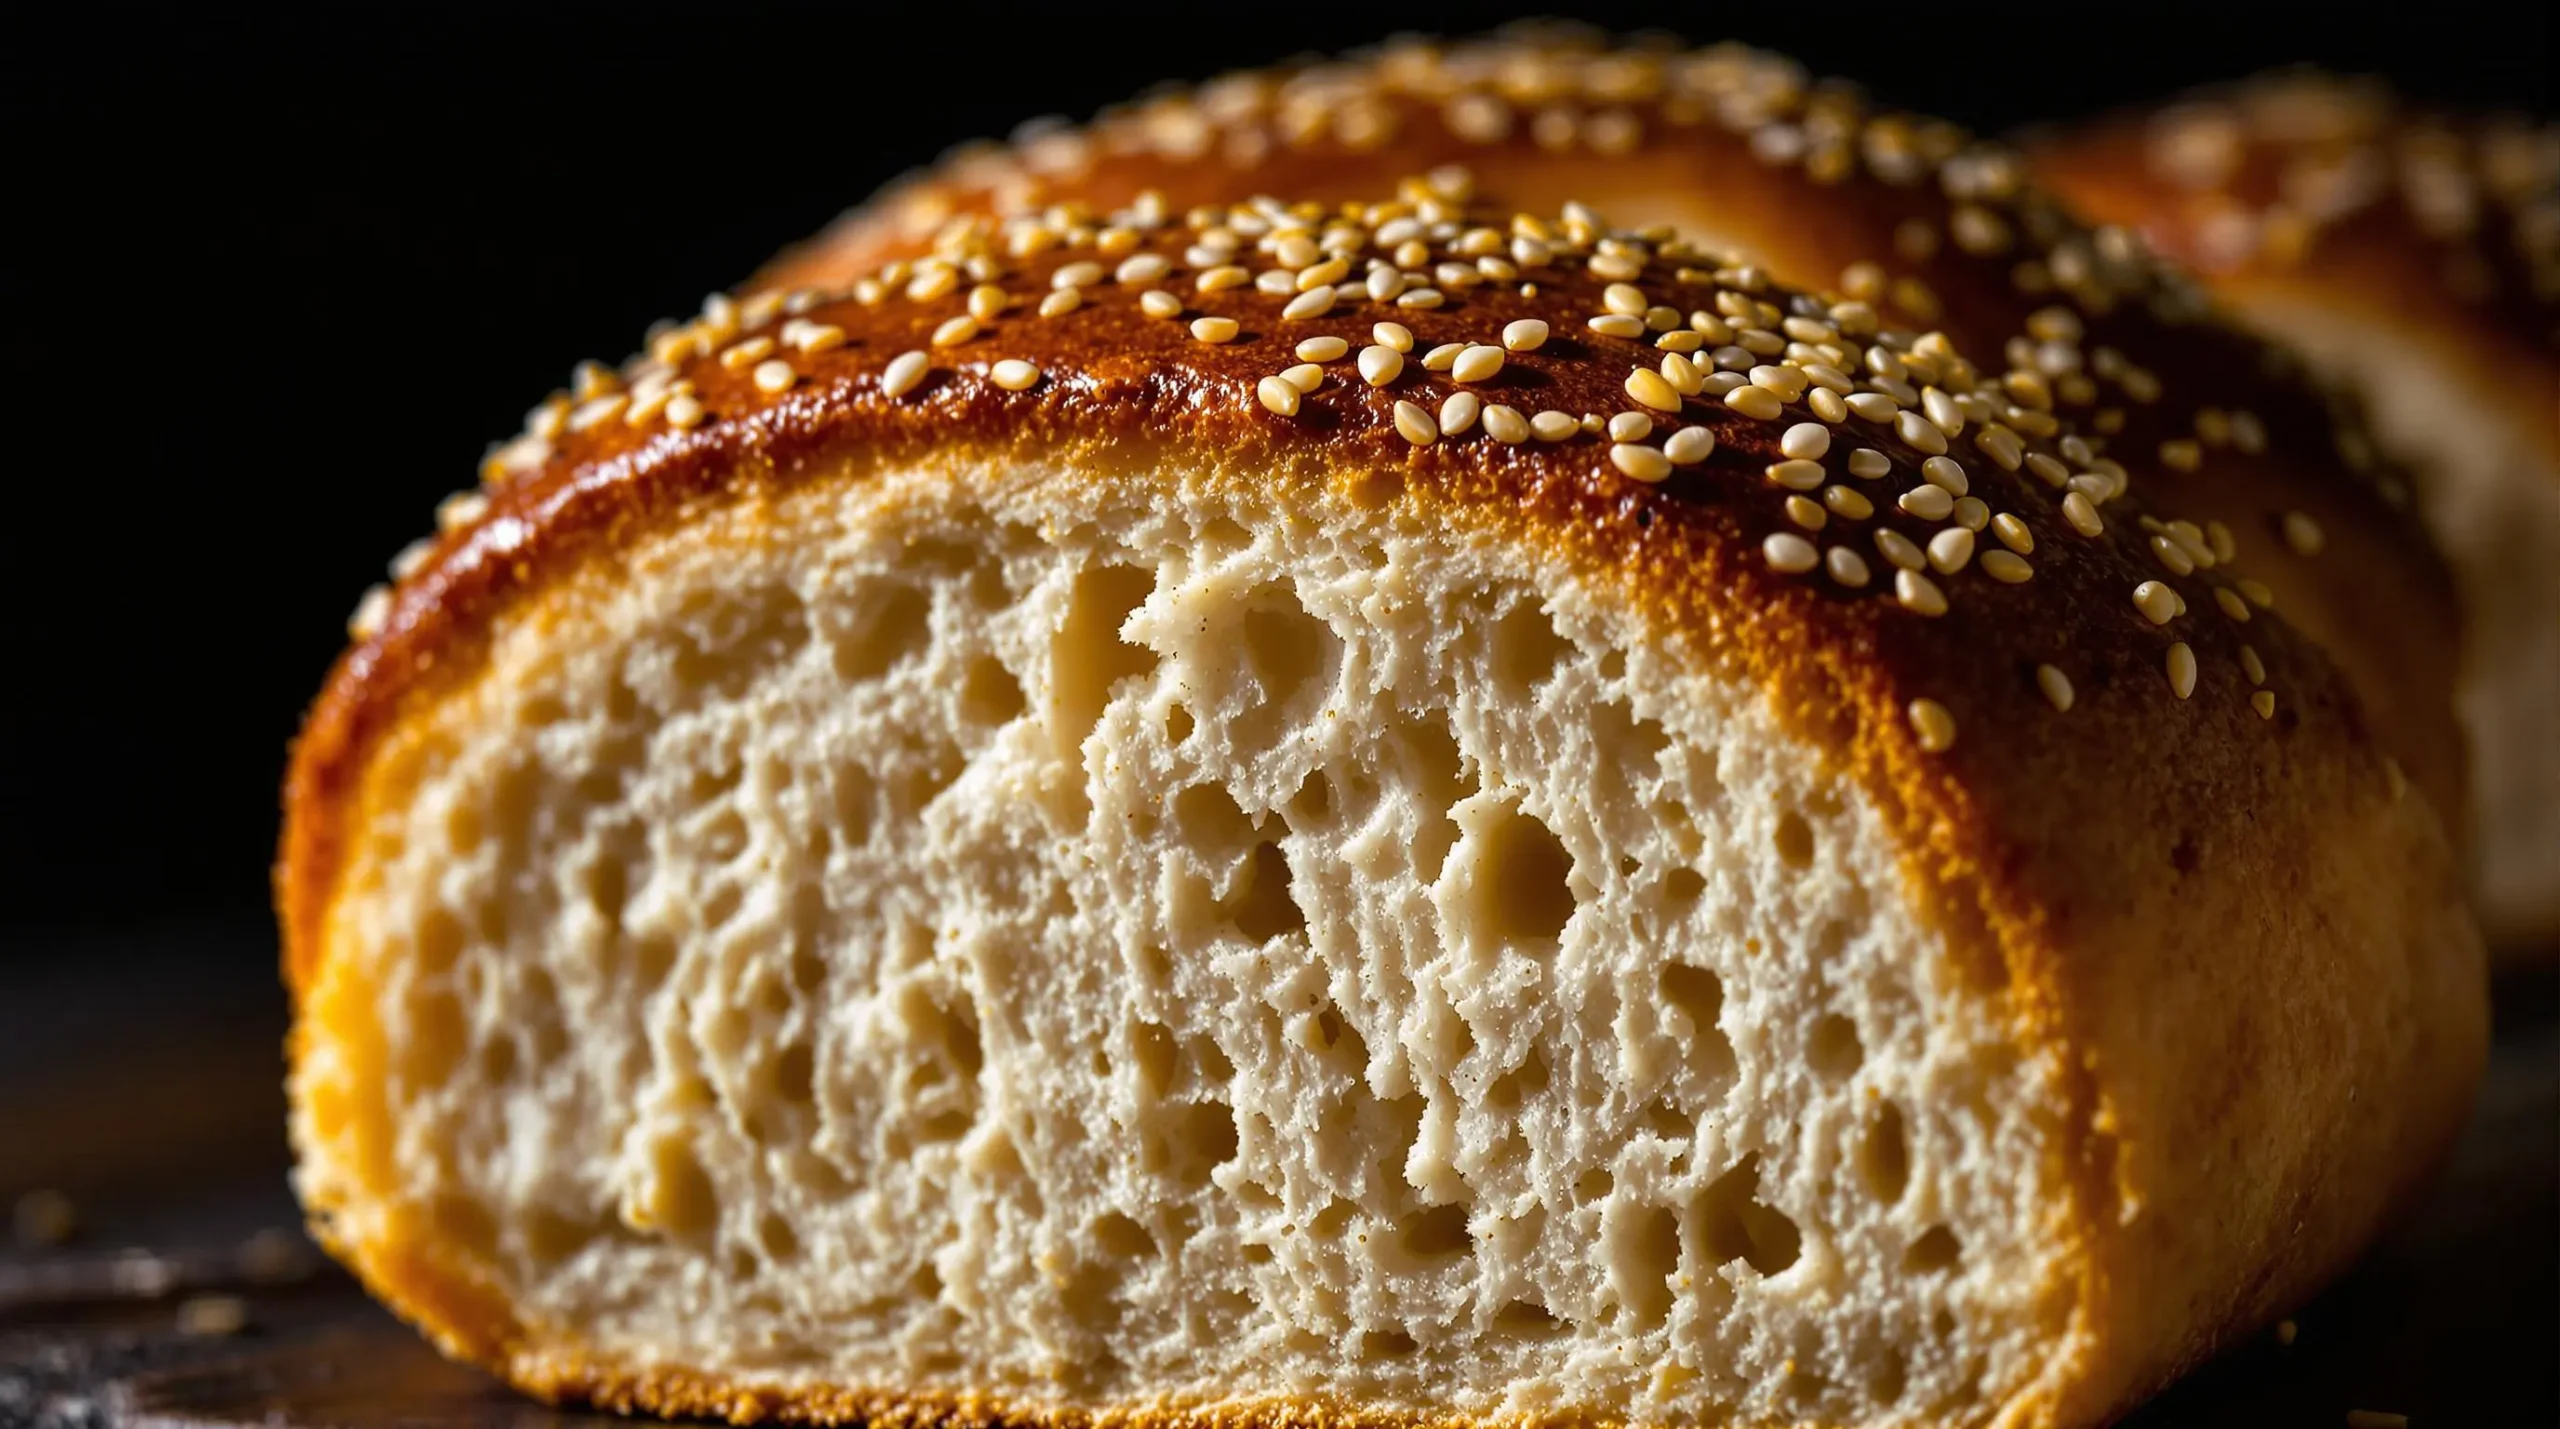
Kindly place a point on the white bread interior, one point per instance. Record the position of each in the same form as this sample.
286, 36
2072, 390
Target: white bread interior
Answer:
1097, 940
2492, 500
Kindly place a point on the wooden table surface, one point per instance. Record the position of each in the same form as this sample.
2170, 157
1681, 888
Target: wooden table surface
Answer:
185, 1297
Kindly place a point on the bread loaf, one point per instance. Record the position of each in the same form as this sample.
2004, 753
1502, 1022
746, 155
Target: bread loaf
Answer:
1111, 823
2416, 256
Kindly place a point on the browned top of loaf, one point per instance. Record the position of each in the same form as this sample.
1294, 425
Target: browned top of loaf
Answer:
2063, 726
1935, 229
2311, 180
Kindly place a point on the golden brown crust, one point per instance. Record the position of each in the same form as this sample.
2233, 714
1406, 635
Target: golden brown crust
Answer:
1939, 228
2209, 911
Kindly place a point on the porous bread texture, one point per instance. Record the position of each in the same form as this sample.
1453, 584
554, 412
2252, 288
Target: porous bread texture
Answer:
2492, 498
1106, 943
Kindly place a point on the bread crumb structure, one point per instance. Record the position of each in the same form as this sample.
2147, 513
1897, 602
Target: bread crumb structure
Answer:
1401, 856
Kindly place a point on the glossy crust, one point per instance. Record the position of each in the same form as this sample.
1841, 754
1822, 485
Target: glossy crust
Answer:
1744, 150
2436, 238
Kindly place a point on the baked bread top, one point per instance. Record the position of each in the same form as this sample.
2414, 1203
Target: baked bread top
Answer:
1803, 180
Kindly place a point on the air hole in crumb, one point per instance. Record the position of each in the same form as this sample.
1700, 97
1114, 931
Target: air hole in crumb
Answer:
890, 631
1153, 1049
793, 1073
1519, 893
1122, 1236
775, 1234
1665, 1121
1212, 1061
1333, 1220
1834, 1048
551, 1237
1594, 1184
1884, 1155
498, 1059
1256, 1253
1225, 534
1177, 723
1196, 1137
1733, 1224
926, 1283
1890, 1376
1795, 839
1643, 1248
1683, 885
1526, 648
1210, 819
1435, 1232
1089, 657
1263, 908
1288, 649
1698, 994
1528, 1320
1936, 1249
989, 694
1518, 1084
1385, 1344
1312, 805
1438, 772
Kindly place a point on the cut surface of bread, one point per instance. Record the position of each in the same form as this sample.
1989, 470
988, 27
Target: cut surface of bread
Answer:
1078, 840
1186, 954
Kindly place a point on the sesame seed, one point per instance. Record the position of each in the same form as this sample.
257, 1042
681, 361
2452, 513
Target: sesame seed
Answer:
1477, 364
897, 380
1640, 462
2158, 603
1899, 550
1616, 325
1796, 475
372, 612
1848, 503
595, 411
933, 283
1221, 278
1918, 593
685, 412
1650, 388
2056, 686
1157, 303
2182, 670
1525, 335
1806, 512
1506, 425
1942, 411
1279, 394
2257, 592
1553, 426
987, 302
1787, 382
1919, 432
1277, 282
1935, 727
1759, 403
1315, 302
1143, 268
2047, 469
2007, 567
1416, 425
2013, 533
2181, 455
1214, 329
1808, 440
2303, 534
1077, 275
1384, 284
1846, 566
1788, 552
1630, 427
1625, 299
1443, 357
2172, 555
1305, 376
2082, 514
2001, 445
2231, 603
1061, 302
1458, 412
1866, 463
1951, 550
1323, 275
1322, 349
1971, 513
2264, 702
1689, 446
741, 354
1014, 375
1944, 472
775, 376
2255, 668
1395, 337
1421, 299
1827, 405
1683, 375
1380, 365
1929, 503
1873, 406
955, 331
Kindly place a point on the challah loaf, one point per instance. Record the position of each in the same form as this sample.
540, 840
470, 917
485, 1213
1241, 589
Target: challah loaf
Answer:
1117, 824
2416, 256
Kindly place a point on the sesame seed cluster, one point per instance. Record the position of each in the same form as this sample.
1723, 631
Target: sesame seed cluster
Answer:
2272, 173
1871, 463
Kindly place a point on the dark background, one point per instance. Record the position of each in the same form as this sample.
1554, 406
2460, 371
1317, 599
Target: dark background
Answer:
274, 281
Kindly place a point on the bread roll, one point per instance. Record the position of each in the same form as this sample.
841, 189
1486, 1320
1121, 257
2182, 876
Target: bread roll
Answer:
1746, 155
1058, 838
2417, 256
